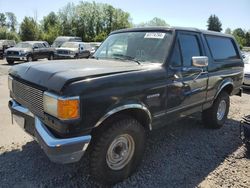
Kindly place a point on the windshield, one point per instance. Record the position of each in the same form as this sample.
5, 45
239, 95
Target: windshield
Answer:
140, 46
70, 45
57, 43
23, 45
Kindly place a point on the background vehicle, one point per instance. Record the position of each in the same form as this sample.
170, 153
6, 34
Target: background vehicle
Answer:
29, 51
246, 82
5, 44
94, 46
138, 80
73, 50
61, 39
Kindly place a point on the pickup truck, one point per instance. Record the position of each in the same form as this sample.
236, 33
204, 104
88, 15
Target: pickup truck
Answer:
5, 44
62, 39
73, 50
138, 80
29, 51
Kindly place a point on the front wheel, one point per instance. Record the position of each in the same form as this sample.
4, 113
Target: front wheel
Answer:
10, 62
29, 58
117, 151
76, 56
215, 116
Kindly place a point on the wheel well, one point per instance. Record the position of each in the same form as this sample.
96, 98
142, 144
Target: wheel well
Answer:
228, 88
140, 115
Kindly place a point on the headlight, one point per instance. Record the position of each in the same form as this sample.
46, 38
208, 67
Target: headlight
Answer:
61, 107
10, 85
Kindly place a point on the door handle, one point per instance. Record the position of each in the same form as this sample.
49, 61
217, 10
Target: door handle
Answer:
202, 72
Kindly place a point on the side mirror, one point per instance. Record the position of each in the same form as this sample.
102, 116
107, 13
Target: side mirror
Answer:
200, 61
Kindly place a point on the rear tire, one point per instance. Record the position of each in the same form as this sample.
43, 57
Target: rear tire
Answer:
117, 150
51, 57
248, 147
10, 62
215, 116
76, 56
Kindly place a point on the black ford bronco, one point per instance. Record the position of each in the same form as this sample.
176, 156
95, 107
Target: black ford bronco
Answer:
138, 80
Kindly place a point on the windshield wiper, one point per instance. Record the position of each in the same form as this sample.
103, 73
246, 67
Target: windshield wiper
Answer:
126, 57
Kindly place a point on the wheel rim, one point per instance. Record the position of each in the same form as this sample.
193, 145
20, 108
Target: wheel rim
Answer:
120, 152
29, 59
51, 57
221, 110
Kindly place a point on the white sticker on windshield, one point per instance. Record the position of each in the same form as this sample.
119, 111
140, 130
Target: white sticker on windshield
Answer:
154, 35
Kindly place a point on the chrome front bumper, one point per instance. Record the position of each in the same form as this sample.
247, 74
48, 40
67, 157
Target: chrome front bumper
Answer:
17, 58
246, 82
59, 150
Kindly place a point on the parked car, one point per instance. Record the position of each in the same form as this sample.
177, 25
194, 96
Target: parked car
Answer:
62, 39
73, 50
246, 82
5, 44
94, 46
138, 80
29, 51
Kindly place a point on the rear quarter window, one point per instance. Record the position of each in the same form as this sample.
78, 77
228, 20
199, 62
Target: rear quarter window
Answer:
222, 48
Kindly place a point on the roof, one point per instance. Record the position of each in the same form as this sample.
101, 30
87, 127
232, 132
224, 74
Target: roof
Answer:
6, 40
33, 42
68, 37
171, 29
78, 42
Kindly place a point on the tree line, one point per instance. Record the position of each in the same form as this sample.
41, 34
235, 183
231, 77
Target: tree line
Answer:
91, 21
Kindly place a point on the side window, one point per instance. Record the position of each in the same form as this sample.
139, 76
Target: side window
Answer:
189, 47
40, 45
222, 48
35, 45
176, 56
45, 45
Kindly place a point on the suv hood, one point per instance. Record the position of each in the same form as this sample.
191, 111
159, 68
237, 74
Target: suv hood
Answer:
68, 49
19, 49
53, 75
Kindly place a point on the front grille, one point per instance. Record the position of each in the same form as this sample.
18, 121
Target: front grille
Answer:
12, 53
28, 96
62, 51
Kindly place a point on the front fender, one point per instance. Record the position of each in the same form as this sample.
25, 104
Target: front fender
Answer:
125, 106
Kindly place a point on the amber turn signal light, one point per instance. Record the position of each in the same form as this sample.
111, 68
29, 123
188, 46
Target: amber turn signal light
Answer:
68, 109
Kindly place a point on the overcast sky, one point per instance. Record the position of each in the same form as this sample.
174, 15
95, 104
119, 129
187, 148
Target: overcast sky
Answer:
190, 13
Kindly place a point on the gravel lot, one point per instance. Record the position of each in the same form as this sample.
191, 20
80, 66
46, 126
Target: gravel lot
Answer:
181, 155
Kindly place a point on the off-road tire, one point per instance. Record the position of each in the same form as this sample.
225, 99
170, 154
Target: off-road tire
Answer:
99, 168
209, 116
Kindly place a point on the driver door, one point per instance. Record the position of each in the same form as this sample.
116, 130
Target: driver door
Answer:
37, 51
187, 88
